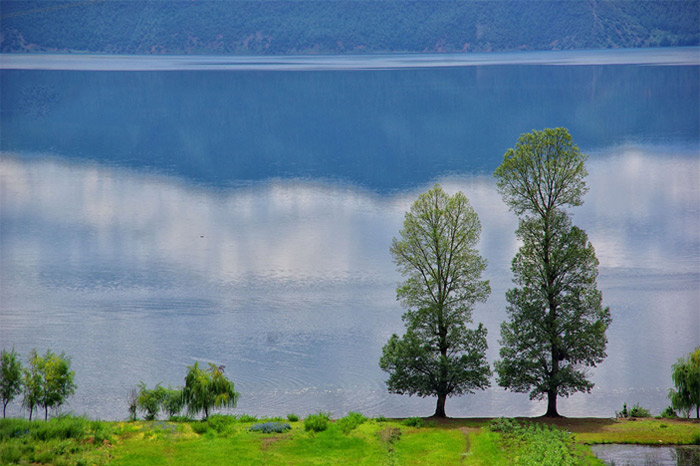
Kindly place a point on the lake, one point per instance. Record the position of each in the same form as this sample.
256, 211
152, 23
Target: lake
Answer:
157, 211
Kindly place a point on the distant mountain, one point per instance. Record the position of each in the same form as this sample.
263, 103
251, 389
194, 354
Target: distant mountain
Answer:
342, 26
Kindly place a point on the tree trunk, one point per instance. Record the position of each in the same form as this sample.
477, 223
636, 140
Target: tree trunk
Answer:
31, 410
46, 413
4, 406
552, 404
440, 408
697, 411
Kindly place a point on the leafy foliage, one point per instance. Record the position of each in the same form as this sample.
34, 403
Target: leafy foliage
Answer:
538, 444
350, 422
150, 401
172, 401
686, 379
669, 413
206, 389
220, 422
414, 422
438, 355
316, 422
48, 381
10, 377
556, 322
638, 411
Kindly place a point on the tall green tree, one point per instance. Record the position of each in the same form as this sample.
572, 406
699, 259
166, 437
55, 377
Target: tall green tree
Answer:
208, 388
686, 378
438, 355
10, 377
556, 321
48, 381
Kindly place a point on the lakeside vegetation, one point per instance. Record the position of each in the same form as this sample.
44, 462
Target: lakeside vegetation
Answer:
353, 439
342, 26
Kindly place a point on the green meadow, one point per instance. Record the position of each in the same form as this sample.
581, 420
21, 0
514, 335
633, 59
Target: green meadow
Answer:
241, 440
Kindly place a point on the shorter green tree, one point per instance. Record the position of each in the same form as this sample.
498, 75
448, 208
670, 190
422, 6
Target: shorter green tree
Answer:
32, 381
686, 378
48, 381
150, 401
10, 377
439, 355
173, 401
208, 388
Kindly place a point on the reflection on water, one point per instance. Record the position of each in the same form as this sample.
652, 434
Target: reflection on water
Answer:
289, 282
633, 455
384, 130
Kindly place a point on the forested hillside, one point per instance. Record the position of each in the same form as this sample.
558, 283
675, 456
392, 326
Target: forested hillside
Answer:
342, 26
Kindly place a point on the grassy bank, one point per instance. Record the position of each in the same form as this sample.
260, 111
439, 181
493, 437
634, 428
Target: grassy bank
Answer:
360, 441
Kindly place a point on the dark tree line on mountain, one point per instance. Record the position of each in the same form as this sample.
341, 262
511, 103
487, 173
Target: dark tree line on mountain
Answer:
289, 27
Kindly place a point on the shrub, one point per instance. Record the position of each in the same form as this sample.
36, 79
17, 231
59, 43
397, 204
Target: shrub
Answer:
669, 413
13, 428
200, 427
414, 422
547, 447
623, 413
220, 422
270, 427
60, 428
291, 417
696, 439
380, 419
504, 425
316, 422
542, 445
350, 422
638, 411
247, 418
9, 453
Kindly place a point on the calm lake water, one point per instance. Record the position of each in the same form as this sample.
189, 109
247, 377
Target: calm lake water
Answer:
241, 212
635, 455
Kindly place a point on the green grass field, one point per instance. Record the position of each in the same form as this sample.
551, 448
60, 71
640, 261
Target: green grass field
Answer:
227, 440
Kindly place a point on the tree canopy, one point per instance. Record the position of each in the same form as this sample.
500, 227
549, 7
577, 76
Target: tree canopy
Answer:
556, 321
438, 355
48, 381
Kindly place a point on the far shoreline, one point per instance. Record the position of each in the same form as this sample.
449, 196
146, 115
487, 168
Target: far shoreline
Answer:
73, 61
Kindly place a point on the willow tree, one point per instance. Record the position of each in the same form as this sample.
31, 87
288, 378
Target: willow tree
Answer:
208, 388
556, 321
686, 379
438, 355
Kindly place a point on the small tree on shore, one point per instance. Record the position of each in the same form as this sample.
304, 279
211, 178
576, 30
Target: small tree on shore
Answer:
206, 389
686, 378
150, 401
10, 377
48, 382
